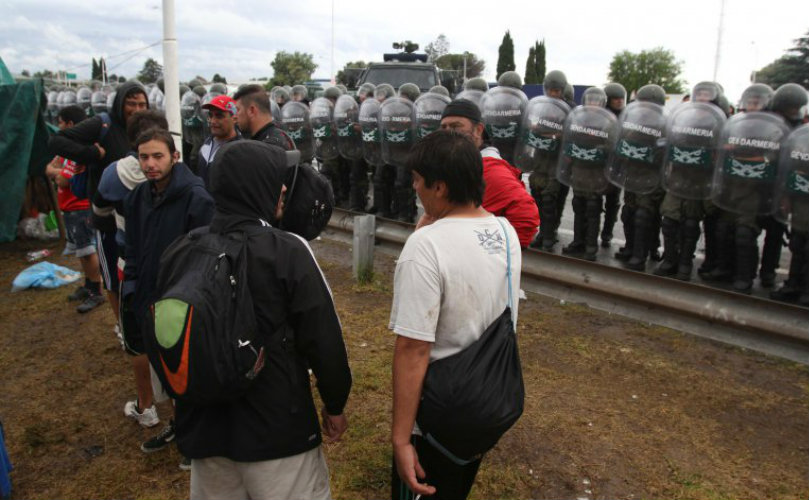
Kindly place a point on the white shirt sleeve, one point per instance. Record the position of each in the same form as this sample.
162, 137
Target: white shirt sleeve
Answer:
416, 297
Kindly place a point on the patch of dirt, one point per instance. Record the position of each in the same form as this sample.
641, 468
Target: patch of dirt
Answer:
614, 408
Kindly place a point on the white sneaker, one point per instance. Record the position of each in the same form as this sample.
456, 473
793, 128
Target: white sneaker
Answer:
119, 336
147, 418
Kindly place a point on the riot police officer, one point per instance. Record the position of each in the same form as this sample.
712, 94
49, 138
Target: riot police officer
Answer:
635, 166
539, 154
588, 136
616, 102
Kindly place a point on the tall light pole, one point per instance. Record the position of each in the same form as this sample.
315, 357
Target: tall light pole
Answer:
719, 38
171, 78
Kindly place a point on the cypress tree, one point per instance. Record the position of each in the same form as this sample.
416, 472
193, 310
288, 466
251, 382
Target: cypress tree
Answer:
531, 67
505, 57
540, 61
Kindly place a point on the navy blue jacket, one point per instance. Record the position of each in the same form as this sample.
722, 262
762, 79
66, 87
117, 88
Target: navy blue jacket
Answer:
152, 225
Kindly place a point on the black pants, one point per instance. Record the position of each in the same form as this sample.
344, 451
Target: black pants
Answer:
451, 481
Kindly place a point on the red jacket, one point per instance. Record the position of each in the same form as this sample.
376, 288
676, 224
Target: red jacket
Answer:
506, 196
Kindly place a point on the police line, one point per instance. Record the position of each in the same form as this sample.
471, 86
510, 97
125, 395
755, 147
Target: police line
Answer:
766, 326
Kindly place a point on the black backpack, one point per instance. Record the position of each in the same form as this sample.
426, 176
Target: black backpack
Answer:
470, 399
201, 335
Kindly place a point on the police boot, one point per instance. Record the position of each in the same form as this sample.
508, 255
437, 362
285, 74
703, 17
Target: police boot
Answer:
723, 242
576, 247
771, 253
640, 246
709, 228
671, 247
593, 219
795, 285
612, 202
628, 219
549, 225
358, 195
406, 204
746, 259
689, 237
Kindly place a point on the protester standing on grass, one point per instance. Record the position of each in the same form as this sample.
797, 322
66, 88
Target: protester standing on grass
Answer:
222, 123
96, 143
76, 212
504, 194
266, 443
120, 178
450, 285
172, 202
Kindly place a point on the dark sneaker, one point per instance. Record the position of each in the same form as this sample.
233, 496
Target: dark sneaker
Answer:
185, 464
90, 303
160, 441
80, 293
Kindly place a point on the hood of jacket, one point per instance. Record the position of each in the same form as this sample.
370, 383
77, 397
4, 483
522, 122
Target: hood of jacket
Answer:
129, 172
245, 182
117, 111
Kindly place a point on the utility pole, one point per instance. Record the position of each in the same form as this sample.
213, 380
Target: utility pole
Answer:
171, 78
719, 39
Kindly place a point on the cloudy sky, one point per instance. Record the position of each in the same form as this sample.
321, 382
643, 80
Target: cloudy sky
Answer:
239, 38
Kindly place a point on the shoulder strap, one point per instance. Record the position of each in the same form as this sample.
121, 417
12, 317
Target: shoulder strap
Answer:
508, 261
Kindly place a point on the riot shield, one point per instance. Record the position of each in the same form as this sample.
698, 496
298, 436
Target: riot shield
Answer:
588, 135
693, 133
792, 185
397, 126
429, 108
542, 127
637, 154
84, 98
346, 121
502, 109
53, 107
295, 122
191, 116
371, 138
275, 110
111, 100
321, 118
68, 99
98, 102
471, 95
745, 172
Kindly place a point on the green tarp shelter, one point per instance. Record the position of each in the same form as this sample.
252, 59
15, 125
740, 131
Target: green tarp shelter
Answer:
23, 145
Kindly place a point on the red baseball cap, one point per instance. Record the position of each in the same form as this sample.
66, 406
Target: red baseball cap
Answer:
222, 102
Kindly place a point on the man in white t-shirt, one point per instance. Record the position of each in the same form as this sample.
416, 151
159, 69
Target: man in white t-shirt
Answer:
450, 285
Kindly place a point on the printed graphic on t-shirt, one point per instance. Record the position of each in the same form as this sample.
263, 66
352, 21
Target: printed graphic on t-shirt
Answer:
491, 241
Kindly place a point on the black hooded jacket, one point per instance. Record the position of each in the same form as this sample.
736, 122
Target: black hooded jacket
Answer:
152, 225
276, 418
77, 143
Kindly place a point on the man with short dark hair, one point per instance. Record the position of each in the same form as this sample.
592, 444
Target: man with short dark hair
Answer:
254, 117
505, 193
450, 285
121, 177
221, 122
172, 202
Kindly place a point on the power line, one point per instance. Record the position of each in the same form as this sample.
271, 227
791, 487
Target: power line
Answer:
134, 52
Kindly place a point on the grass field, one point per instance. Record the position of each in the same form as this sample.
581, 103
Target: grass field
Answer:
614, 408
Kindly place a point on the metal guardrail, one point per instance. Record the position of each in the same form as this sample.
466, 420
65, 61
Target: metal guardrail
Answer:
771, 327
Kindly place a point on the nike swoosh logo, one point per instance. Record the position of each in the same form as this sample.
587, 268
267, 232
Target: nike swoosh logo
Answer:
179, 380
